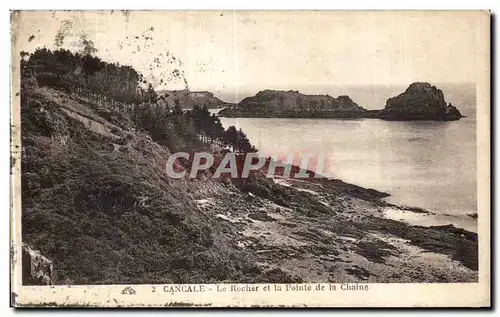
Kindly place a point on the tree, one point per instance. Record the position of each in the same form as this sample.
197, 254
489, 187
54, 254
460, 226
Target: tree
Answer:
230, 137
244, 145
126, 91
177, 107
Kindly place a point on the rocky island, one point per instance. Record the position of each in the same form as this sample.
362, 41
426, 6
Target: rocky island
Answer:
293, 104
420, 101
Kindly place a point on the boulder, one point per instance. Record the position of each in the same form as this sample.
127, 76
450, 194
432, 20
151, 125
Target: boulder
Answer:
37, 269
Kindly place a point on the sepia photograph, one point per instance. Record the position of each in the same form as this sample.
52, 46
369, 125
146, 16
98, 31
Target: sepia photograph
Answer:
249, 158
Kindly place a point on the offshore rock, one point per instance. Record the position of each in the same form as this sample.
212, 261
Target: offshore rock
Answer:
420, 101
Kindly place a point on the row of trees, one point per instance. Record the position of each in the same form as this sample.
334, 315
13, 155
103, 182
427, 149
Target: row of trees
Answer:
212, 131
127, 90
86, 74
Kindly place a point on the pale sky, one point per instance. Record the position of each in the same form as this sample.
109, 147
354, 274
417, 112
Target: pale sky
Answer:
240, 53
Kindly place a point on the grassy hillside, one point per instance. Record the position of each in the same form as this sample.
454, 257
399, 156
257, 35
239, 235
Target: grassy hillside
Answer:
95, 196
99, 205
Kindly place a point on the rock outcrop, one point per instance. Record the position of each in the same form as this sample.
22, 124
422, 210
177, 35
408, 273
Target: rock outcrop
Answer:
293, 104
420, 101
187, 99
37, 269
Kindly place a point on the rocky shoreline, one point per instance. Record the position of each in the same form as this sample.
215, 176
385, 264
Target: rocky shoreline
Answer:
319, 230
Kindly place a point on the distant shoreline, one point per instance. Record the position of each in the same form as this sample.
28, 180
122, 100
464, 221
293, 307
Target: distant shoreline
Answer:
382, 90
420, 101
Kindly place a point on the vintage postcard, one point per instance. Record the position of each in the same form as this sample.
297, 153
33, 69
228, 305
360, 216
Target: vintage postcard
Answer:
250, 158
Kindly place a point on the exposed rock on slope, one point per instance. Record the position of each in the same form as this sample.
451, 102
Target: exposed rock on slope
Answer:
421, 101
292, 104
37, 269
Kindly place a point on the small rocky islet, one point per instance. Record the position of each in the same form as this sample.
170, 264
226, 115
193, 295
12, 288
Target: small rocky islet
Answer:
420, 101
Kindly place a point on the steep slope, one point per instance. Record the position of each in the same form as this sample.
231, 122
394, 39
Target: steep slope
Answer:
97, 202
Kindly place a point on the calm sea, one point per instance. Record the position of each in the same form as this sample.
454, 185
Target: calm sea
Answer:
431, 165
